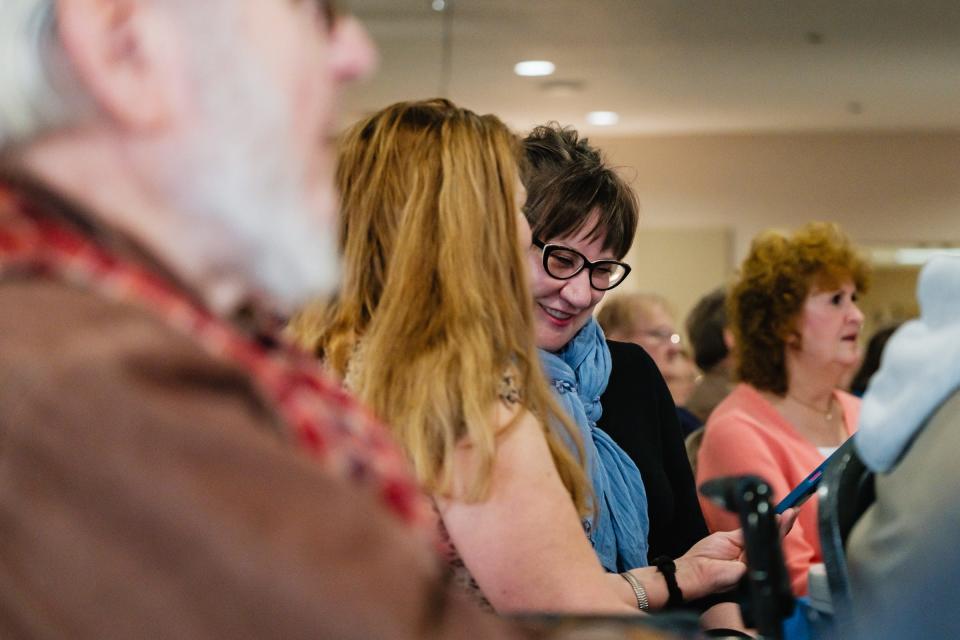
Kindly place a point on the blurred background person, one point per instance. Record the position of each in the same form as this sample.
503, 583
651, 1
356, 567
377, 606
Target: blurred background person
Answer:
433, 328
646, 319
796, 325
684, 378
711, 341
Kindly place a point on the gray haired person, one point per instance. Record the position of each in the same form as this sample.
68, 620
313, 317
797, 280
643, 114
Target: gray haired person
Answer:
167, 468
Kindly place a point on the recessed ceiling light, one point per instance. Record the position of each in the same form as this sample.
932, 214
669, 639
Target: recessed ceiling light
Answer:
534, 68
603, 118
439, 5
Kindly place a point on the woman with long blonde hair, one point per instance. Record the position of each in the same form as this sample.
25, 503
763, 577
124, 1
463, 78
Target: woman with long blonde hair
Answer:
433, 329
433, 279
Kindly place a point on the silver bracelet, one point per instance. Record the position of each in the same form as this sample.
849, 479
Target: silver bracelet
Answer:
642, 603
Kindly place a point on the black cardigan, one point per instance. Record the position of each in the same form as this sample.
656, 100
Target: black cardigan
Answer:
640, 416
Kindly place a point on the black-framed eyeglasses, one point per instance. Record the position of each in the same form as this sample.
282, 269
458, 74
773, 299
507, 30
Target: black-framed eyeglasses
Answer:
563, 263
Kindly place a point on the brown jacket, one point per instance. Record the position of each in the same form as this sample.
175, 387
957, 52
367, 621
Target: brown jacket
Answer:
146, 490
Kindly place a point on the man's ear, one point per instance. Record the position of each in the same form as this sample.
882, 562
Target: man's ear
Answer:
124, 53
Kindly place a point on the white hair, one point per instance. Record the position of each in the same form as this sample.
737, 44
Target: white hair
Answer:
234, 179
36, 91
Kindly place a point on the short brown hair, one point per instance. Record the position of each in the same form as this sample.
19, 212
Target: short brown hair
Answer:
773, 285
705, 326
567, 179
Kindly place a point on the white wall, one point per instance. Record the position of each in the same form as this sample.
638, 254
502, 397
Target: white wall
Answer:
680, 264
704, 197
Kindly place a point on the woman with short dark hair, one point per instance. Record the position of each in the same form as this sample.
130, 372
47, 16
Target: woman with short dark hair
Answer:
583, 218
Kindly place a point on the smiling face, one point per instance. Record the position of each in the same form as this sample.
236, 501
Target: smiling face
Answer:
563, 307
829, 326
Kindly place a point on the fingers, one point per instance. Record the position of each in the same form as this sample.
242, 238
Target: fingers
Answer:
786, 521
735, 536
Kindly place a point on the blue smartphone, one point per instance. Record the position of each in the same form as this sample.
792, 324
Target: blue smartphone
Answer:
805, 489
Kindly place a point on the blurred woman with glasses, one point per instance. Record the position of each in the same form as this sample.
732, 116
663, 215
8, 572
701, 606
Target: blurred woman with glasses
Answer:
433, 329
583, 217
647, 320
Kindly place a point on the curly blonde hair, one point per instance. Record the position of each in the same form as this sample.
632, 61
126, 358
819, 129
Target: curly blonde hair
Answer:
775, 279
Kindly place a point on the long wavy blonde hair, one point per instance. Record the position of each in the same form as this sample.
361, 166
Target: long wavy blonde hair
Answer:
435, 285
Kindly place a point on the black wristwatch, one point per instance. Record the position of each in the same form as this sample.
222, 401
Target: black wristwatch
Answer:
666, 566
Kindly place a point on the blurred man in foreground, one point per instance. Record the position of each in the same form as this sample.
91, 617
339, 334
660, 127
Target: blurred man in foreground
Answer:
165, 192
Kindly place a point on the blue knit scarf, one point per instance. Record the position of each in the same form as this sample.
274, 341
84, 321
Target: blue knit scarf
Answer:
579, 373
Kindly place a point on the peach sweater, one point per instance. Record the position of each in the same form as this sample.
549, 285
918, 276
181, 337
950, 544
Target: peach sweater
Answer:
747, 435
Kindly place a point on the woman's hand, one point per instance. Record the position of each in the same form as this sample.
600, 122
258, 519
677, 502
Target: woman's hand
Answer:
713, 564
785, 521
717, 562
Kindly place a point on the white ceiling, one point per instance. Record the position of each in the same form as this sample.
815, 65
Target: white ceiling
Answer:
678, 66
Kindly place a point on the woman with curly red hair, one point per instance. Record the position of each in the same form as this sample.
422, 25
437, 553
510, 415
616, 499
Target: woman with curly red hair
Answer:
796, 324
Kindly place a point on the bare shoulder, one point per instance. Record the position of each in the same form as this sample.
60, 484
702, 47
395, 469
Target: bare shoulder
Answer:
520, 438
520, 448
524, 542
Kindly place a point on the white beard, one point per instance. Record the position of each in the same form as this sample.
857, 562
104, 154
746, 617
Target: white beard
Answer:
253, 225
242, 188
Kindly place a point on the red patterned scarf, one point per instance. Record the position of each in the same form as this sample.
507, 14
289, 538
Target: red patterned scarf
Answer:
41, 237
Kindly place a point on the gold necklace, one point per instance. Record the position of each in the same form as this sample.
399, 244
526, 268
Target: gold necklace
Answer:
827, 415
